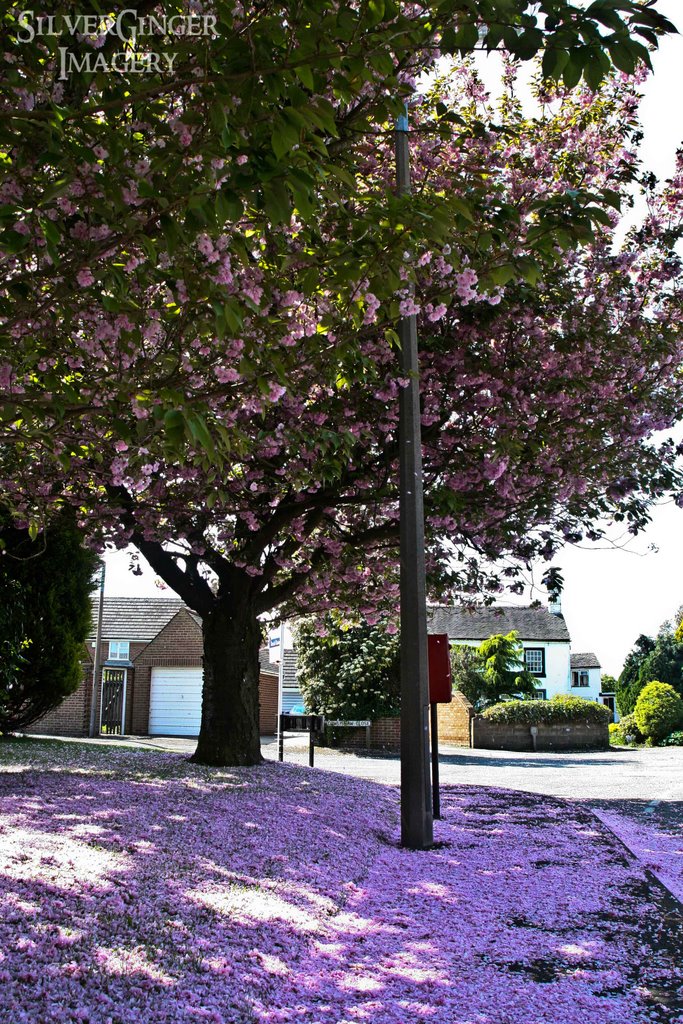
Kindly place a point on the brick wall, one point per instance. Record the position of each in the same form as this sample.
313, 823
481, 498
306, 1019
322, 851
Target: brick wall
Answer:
385, 734
178, 644
72, 716
267, 698
570, 736
454, 720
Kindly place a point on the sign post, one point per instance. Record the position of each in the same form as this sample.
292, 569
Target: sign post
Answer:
299, 723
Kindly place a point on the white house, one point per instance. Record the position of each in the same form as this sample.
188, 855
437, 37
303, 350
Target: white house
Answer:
544, 636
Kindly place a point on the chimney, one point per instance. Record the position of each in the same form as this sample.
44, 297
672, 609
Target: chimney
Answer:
555, 604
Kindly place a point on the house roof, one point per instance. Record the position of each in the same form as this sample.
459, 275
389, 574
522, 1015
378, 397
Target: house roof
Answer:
267, 667
584, 660
480, 623
134, 618
143, 618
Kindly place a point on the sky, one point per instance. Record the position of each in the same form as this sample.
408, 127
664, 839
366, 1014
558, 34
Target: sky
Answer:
612, 594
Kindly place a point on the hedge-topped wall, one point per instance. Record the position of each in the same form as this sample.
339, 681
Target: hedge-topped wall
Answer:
563, 723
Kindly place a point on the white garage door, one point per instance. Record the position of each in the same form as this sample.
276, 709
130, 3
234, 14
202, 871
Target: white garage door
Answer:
175, 702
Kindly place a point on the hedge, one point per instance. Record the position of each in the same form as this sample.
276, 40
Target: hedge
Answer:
659, 710
555, 711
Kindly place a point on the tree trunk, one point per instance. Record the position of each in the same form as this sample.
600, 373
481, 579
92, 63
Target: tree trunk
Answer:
229, 733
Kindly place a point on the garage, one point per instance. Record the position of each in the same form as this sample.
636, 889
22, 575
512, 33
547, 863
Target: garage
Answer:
175, 704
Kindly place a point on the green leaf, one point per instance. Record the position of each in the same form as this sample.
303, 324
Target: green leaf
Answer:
466, 38
573, 70
285, 136
174, 428
200, 432
305, 76
277, 202
233, 316
461, 207
217, 116
501, 275
375, 12
528, 43
554, 62
622, 57
529, 270
601, 216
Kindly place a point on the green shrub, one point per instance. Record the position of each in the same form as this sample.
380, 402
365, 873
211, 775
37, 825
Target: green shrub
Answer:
350, 672
674, 739
551, 712
45, 586
659, 709
625, 731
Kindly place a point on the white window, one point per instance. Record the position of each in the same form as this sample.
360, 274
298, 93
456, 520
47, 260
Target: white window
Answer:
540, 694
579, 678
119, 650
534, 659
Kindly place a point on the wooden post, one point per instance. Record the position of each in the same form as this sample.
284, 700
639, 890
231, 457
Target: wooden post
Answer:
416, 803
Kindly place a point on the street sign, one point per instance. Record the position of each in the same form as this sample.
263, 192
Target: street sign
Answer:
274, 647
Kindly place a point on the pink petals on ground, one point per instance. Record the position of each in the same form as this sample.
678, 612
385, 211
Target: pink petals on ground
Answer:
136, 888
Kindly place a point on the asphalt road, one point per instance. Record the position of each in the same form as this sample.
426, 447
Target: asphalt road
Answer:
641, 775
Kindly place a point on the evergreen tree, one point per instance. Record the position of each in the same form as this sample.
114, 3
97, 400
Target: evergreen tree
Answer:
45, 586
629, 683
664, 664
503, 675
467, 668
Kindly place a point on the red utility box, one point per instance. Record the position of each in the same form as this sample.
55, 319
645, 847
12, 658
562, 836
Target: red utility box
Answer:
440, 681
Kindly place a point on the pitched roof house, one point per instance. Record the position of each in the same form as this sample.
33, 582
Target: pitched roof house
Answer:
545, 639
150, 682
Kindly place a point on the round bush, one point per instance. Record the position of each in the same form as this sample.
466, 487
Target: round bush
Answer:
625, 731
551, 712
658, 711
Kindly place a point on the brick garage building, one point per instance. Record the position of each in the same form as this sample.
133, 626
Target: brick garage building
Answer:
151, 675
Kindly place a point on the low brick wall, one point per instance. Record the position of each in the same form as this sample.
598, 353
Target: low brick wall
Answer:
385, 734
567, 736
454, 720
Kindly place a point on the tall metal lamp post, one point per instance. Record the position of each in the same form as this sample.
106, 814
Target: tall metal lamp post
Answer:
416, 796
92, 731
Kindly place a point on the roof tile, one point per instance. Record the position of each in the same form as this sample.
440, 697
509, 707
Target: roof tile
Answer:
584, 660
481, 623
134, 618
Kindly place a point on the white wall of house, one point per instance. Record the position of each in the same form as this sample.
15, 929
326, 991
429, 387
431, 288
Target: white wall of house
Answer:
556, 659
558, 673
594, 688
